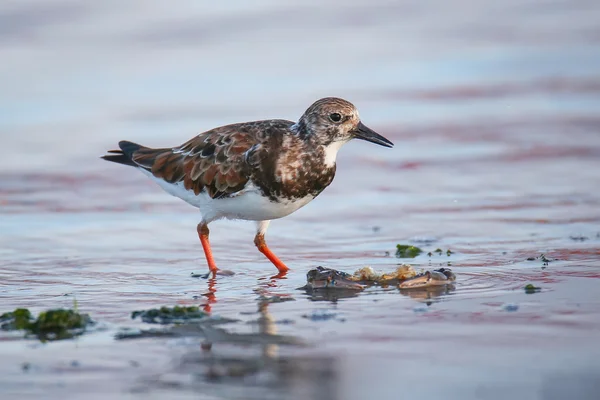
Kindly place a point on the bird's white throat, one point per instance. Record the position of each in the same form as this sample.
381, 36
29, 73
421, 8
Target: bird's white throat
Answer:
331, 151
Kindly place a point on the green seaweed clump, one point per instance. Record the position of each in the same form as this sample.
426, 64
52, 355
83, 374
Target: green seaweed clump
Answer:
54, 324
60, 324
16, 320
530, 289
174, 315
407, 251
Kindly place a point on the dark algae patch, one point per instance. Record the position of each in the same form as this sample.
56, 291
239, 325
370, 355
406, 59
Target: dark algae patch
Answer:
407, 251
439, 252
54, 324
187, 322
530, 289
170, 315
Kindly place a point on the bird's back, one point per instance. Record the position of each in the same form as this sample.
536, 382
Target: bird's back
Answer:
215, 161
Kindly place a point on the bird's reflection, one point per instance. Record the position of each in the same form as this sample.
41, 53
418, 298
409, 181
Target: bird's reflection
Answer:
259, 361
210, 295
266, 326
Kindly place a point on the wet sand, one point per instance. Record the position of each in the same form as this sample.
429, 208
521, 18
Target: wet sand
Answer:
495, 113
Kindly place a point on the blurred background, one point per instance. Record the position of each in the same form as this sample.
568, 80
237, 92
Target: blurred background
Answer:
494, 108
76, 76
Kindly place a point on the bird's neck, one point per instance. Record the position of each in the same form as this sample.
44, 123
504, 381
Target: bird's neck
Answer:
328, 151
301, 130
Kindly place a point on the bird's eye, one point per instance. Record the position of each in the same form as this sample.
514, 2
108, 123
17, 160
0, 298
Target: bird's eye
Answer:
335, 117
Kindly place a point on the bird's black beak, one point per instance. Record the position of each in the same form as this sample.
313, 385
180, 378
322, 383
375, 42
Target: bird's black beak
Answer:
364, 133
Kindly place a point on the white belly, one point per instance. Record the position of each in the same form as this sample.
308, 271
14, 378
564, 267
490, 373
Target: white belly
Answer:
247, 204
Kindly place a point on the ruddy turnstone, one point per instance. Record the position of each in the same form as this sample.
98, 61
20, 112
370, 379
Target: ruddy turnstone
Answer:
256, 171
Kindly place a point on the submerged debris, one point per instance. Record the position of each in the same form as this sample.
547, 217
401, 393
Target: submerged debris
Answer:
323, 315
167, 315
368, 274
54, 324
407, 251
578, 238
510, 307
542, 257
424, 240
436, 277
327, 278
404, 276
131, 333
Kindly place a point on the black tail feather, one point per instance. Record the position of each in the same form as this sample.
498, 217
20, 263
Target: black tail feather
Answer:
124, 155
128, 148
120, 159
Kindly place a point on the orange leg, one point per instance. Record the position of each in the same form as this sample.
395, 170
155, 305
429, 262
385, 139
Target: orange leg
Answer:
203, 235
259, 241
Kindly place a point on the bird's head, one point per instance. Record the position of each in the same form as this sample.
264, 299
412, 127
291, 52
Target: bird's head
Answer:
334, 120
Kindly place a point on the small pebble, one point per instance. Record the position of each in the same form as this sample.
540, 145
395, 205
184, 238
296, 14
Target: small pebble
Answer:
206, 346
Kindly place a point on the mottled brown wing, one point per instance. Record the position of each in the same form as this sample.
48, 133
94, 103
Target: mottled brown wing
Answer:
213, 160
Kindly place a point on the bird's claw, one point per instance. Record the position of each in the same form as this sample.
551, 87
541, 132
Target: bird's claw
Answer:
218, 272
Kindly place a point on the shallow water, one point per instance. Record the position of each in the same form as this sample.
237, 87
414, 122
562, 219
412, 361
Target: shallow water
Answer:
494, 110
